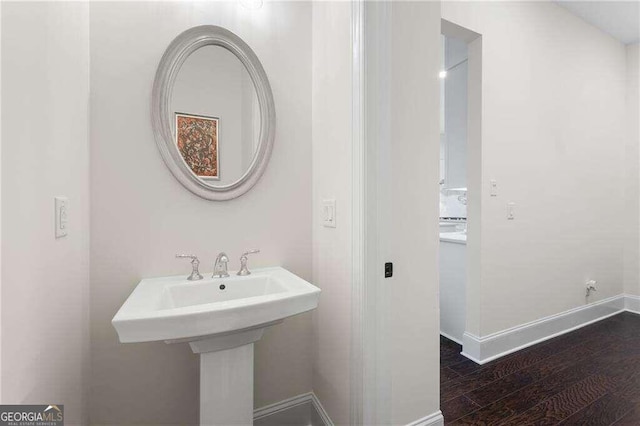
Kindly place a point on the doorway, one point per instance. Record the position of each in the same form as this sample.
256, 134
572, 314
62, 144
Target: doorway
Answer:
460, 188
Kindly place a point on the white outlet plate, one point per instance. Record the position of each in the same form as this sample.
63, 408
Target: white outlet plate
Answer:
62, 216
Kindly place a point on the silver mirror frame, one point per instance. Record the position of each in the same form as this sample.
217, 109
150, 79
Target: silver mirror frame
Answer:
162, 118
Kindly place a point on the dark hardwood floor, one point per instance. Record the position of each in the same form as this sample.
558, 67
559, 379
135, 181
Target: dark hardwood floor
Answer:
587, 377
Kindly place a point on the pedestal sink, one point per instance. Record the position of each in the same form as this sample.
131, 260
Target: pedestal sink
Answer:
220, 318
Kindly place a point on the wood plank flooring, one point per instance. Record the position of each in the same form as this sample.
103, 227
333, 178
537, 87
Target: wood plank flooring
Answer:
587, 377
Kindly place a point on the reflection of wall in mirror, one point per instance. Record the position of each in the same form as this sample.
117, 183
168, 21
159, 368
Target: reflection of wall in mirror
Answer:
213, 82
250, 121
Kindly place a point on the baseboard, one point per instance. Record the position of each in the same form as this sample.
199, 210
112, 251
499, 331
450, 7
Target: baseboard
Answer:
453, 339
306, 409
632, 303
303, 409
280, 406
434, 419
323, 416
487, 348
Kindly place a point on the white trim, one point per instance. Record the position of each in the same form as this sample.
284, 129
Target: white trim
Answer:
450, 337
324, 416
280, 406
359, 223
487, 348
434, 419
289, 403
371, 26
632, 303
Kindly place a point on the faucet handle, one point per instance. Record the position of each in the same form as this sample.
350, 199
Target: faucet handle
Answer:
195, 263
243, 262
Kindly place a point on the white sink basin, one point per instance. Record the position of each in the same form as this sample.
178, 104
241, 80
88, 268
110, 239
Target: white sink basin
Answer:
173, 308
220, 318
204, 292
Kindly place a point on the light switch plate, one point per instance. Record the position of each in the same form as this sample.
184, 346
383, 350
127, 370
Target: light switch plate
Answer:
511, 214
494, 188
329, 213
62, 216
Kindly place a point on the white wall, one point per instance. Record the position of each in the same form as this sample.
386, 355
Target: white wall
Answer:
332, 180
632, 161
141, 216
0, 199
45, 281
406, 150
455, 114
453, 148
412, 211
552, 120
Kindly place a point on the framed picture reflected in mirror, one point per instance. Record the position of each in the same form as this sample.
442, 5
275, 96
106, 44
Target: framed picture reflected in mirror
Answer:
197, 142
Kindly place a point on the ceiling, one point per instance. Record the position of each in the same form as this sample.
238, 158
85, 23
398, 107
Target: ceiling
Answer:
621, 19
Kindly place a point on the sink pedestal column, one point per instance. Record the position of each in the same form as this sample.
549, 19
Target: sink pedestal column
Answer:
226, 387
226, 377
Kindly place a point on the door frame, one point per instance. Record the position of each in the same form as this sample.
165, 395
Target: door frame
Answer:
370, 383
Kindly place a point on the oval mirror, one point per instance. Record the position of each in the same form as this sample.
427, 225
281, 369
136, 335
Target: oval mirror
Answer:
213, 113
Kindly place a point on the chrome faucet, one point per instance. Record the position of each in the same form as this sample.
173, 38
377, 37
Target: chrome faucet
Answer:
220, 267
